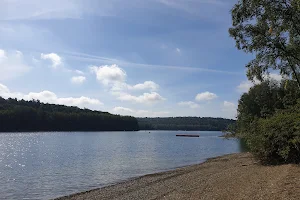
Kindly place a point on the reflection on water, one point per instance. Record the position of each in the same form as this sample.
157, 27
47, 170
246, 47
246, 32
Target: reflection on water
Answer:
48, 165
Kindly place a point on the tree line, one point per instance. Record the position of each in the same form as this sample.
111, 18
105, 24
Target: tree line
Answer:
269, 113
21, 115
185, 123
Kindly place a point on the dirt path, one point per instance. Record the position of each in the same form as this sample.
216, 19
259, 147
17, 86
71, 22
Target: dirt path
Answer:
231, 177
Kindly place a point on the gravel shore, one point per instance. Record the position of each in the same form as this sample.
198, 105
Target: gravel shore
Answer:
232, 177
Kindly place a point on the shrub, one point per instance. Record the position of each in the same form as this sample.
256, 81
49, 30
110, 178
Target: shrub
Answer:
276, 139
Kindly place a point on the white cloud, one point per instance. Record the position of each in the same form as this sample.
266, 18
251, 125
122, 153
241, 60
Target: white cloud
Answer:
19, 54
78, 79
34, 60
79, 72
229, 105
3, 89
206, 96
118, 86
147, 85
178, 50
189, 104
144, 86
113, 77
122, 109
246, 85
50, 97
138, 113
147, 98
12, 64
2, 55
53, 57
230, 109
109, 74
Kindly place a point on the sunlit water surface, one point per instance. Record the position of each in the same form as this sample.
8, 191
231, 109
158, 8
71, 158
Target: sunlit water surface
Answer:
47, 165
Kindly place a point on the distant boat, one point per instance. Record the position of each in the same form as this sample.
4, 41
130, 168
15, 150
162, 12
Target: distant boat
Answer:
187, 135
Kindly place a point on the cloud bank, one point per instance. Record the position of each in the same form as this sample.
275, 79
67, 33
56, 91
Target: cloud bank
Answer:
50, 97
113, 77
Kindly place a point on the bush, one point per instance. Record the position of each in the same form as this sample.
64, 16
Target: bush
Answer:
276, 139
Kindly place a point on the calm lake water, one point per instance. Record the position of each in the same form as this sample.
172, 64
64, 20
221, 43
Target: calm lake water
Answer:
48, 165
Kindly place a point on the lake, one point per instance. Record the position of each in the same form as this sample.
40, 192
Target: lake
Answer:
46, 165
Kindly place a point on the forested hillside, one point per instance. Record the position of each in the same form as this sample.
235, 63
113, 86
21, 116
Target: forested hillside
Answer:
185, 123
36, 116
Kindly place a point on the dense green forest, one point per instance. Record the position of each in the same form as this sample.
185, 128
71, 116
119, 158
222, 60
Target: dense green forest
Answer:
36, 116
269, 113
269, 120
185, 123
21, 115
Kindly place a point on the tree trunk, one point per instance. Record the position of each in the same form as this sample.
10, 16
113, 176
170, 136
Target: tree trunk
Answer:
296, 75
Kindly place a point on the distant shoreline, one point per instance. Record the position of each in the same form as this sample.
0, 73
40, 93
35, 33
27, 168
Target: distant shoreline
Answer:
232, 177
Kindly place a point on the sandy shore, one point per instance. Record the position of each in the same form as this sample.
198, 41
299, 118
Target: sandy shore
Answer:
232, 177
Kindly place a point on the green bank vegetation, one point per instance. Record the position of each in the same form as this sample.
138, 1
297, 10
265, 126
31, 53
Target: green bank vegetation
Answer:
36, 116
20, 115
185, 123
269, 114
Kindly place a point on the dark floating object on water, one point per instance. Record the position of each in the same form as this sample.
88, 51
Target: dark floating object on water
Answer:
186, 135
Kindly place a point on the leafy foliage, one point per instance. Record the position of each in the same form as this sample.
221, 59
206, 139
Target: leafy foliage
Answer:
277, 139
271, 30
263, 100
36, 116
269, 120
268, 115
185, 123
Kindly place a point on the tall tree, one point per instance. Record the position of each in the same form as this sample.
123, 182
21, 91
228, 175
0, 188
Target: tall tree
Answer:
271, 30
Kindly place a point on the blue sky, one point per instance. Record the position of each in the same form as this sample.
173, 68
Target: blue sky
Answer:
137, 57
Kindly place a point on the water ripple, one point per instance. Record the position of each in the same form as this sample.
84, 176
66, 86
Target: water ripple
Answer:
47, 165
